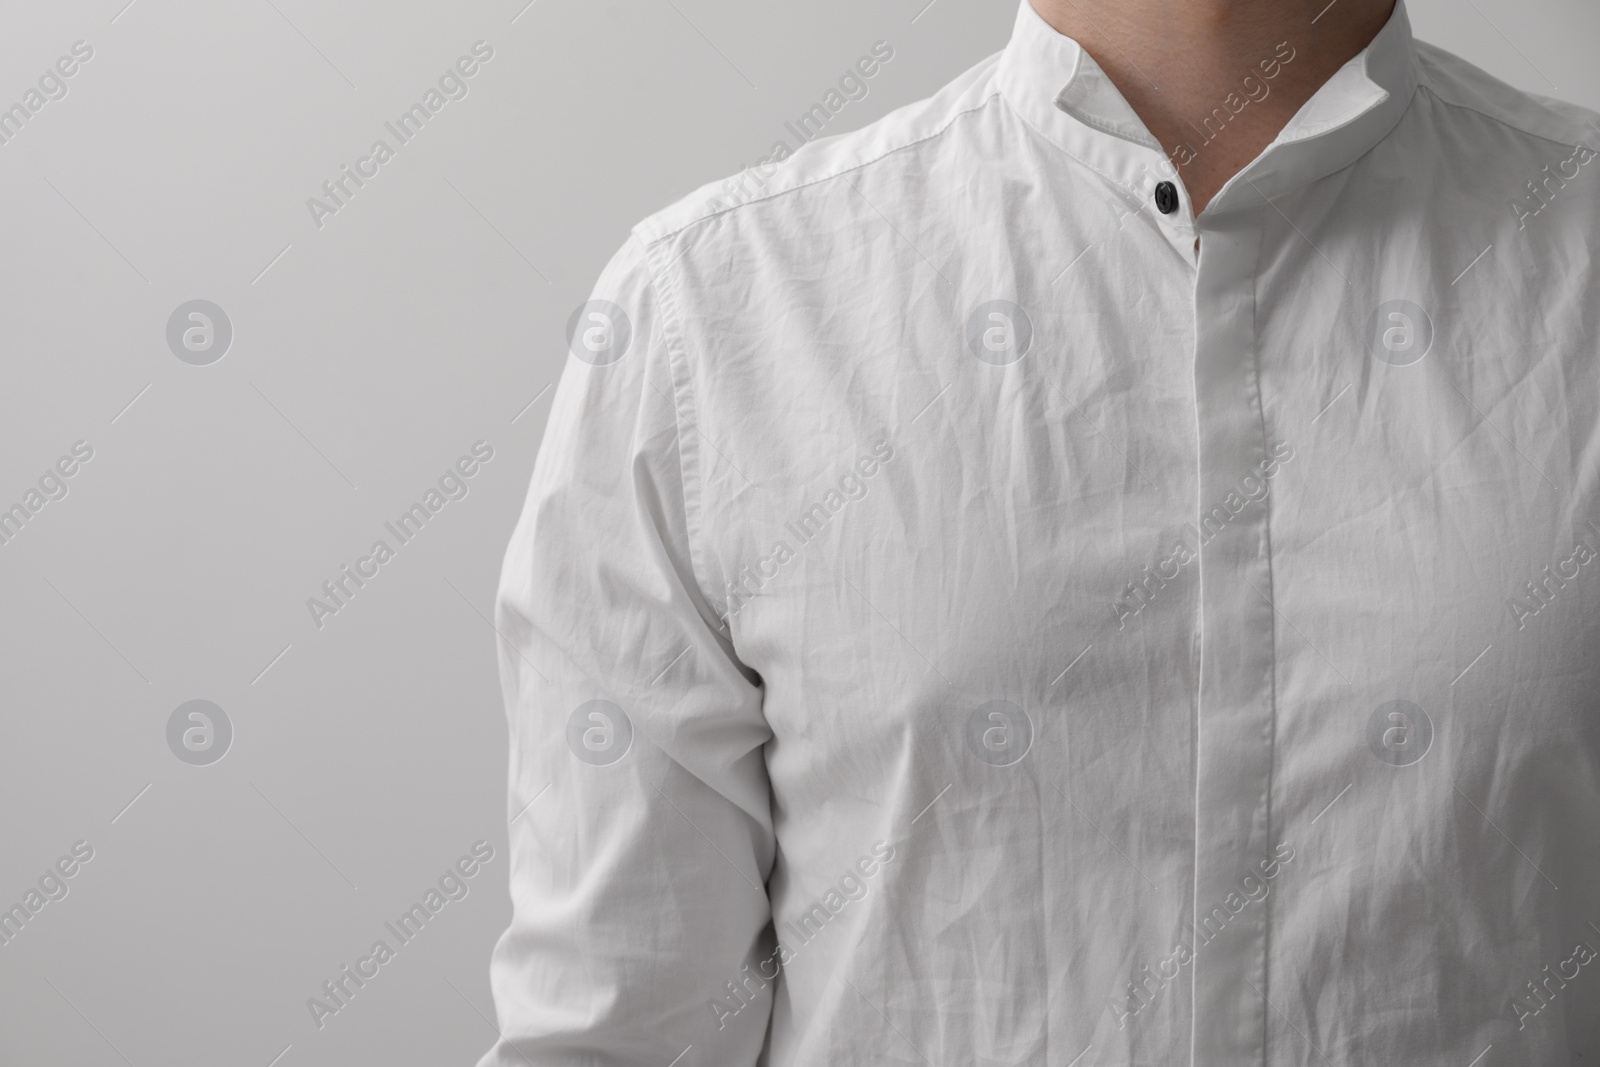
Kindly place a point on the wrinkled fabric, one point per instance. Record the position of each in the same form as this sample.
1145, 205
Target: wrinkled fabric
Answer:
964, 615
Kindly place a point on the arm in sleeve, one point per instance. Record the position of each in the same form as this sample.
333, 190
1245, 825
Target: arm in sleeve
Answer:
641, 830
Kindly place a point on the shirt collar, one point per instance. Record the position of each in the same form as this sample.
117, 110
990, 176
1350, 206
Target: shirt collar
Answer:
1058, 88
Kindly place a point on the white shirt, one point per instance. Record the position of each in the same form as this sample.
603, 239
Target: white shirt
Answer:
957, 621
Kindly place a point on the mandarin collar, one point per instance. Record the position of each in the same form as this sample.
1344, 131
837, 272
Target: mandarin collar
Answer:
1057, 87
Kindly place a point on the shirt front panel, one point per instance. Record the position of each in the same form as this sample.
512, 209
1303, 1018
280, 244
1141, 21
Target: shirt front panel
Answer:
954, 449
1437, 737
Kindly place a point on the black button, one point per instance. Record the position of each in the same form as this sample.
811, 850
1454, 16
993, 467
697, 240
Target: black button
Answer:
1166, 198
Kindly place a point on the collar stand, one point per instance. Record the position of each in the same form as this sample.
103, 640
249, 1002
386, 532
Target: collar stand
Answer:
1053, 83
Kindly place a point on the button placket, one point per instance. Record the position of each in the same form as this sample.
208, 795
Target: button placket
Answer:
1236, 716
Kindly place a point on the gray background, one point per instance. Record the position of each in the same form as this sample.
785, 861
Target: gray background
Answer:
367, 356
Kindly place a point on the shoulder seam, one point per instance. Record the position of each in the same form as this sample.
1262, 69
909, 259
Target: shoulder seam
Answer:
718, 213
1424, 83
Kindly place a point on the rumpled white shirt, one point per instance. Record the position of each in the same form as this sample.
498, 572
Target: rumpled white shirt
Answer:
959, 619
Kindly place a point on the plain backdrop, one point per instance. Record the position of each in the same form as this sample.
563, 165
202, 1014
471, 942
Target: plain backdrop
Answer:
370, 349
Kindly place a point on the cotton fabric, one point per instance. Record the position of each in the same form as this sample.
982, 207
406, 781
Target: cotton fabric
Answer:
963, 615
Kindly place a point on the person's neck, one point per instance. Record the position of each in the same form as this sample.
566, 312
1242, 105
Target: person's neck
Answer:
1181, 63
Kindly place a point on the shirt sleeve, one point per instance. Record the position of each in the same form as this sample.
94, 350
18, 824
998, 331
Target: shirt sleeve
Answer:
641, 830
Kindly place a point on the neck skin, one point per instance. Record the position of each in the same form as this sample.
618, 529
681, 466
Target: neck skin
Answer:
1182, 62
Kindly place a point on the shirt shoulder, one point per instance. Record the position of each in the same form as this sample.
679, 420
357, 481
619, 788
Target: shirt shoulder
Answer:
1459, 84
773, 186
